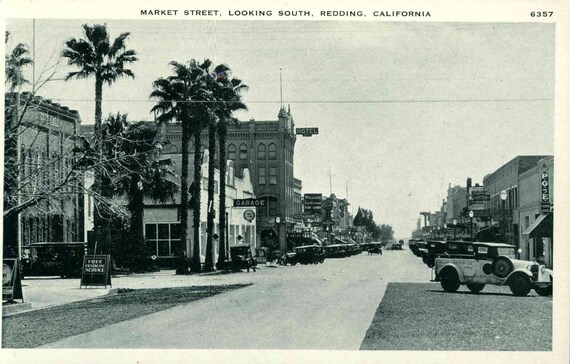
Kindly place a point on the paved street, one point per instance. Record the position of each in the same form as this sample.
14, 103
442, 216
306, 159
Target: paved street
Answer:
325, 306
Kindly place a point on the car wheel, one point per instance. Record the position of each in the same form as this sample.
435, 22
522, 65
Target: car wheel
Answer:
546, 291
502, 267
475, 287
431, 263
519, 285
449, 280
293, 263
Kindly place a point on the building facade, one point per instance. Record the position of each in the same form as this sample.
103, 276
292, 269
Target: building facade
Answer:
162, 222
266, 149
45, 134
503, 188
536, 190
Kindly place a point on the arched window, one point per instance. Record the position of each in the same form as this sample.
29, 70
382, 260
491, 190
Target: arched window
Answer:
243, 152
231, 152
272, 151
261, 149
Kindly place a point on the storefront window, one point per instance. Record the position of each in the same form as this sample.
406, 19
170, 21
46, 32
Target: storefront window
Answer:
163, 239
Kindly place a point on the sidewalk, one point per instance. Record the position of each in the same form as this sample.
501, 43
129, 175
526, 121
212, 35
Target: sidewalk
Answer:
53, 291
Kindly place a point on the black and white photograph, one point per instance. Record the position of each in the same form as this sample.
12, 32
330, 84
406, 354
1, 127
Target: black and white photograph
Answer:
282, 183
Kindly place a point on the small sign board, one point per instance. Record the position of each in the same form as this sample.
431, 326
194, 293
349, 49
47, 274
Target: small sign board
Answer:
11, 281
307, 132
250, 202
96, 271
249, 215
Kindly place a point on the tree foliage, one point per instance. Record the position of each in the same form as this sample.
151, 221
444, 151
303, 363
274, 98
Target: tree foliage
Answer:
365, 218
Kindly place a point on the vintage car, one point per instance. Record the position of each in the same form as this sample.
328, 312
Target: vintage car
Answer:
496, 264
288, 258
413, 244
336, 251
434, 249
375, 248
421, 249
309, 254
64, 259
241, 258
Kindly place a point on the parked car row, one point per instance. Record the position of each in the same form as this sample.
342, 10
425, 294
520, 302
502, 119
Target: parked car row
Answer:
305, 254
476, 264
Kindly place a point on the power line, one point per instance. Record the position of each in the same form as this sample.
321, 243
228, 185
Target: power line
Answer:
314, 101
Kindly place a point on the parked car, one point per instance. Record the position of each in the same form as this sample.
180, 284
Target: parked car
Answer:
421, 249
496, 264
434, 249
64, 259
412, 244
241, 258
309, 254
336, 251
375, 248
288, 258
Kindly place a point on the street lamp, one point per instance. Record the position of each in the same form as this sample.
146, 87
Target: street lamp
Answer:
454, 225
471, 214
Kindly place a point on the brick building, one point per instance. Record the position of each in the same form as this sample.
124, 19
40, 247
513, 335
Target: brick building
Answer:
45, 134
266, 148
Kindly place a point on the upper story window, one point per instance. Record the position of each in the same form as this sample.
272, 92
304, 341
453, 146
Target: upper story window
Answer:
231, 152
272, 175
272, 151
243, 152
261, 150
261, 175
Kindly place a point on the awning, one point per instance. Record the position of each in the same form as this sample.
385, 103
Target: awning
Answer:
541, 227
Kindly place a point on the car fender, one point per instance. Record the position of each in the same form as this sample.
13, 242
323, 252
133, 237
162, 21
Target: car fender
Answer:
517, 271
457, 269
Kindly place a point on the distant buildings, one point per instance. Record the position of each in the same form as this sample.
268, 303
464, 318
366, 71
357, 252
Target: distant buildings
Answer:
514, 206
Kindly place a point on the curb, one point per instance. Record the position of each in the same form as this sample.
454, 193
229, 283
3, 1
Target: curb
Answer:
15, 308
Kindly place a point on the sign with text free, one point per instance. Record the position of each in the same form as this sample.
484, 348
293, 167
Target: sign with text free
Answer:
250, 202
307, 132
96, 271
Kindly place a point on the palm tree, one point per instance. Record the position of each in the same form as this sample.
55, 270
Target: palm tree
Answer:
185, 98
228, 99
15, 61
142, 174
97, 56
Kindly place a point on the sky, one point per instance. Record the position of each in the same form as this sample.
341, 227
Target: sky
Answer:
403, 109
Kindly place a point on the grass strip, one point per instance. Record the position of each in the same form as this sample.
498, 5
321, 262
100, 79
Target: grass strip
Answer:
43, 326
421, 316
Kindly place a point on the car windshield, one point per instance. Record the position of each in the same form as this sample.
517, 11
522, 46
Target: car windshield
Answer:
509, 252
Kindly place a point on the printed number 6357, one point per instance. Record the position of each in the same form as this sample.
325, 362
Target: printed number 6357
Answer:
543, 14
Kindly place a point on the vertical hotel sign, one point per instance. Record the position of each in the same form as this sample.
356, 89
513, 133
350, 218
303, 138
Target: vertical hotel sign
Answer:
544, 193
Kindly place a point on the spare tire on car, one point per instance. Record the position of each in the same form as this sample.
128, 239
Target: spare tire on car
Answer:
502, 267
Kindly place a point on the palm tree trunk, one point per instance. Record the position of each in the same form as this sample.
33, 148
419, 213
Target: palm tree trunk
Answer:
99, 224
184, 186
135, 252
209, 264
196, 264
222, 217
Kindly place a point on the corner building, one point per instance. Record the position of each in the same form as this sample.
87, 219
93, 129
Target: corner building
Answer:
266, 148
